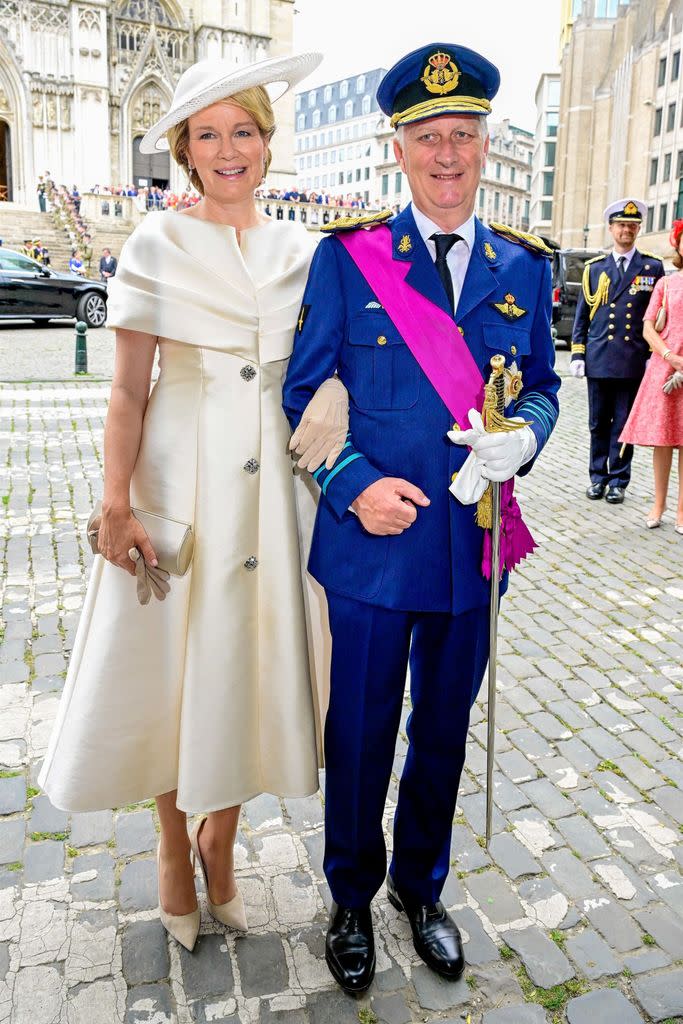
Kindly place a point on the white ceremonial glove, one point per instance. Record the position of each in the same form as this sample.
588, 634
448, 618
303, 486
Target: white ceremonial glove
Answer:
673, 383
322, 431
500, 453
577, 367
469, 485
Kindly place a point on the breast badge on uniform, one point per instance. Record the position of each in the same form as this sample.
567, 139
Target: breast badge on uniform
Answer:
302, 318
641, 283
441, 75
513, 383
508, 308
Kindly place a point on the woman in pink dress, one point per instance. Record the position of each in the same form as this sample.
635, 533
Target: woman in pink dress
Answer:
656, 419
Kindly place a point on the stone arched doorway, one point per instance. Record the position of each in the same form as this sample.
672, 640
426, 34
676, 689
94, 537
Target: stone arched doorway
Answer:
154, 169
5, 162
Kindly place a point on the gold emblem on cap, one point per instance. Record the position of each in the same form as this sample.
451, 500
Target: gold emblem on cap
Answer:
405, 245
441, 75
630, 209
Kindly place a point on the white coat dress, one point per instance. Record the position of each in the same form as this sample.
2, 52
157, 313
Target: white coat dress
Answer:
208, 692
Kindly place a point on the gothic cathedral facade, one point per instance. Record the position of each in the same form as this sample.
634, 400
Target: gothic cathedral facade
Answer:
82, 80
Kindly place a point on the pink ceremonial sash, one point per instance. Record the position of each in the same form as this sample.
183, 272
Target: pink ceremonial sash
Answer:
443, 355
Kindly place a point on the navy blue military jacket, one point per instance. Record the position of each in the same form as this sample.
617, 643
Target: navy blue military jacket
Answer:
612, 343
398, 422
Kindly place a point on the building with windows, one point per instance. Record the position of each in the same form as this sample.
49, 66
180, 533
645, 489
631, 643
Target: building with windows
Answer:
621, 119
505, 190
545, 154
336, 136
82, 80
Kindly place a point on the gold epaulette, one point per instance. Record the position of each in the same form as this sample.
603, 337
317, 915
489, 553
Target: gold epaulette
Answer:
531, 242
652, 255
363, 220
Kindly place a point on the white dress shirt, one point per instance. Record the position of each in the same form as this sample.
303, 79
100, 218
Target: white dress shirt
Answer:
458, 257
628, 256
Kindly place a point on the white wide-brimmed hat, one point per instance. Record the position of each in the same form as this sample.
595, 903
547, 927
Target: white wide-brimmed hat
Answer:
208, 81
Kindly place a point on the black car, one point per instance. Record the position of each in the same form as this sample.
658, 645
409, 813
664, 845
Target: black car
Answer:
568, 267
28, 290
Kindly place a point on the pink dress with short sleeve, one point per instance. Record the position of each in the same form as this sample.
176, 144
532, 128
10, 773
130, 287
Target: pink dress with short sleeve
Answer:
656, 419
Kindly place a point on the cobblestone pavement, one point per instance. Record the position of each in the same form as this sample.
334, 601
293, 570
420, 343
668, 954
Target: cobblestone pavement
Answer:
576, 913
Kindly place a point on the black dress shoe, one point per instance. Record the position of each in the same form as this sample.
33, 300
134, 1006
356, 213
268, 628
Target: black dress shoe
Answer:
350, 947
435, 934
596, 491
616, 495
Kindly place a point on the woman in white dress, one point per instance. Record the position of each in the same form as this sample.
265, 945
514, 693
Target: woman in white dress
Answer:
202, 700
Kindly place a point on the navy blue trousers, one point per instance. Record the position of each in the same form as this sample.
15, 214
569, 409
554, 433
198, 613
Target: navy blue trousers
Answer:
371, 650
609, 403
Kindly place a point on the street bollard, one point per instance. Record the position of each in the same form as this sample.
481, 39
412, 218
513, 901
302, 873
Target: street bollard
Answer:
81, 348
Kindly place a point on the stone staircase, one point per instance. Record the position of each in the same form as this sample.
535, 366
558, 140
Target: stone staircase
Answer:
18, 222
109, 236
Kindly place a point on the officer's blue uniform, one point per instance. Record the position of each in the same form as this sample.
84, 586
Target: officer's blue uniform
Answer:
615, 354
421, 594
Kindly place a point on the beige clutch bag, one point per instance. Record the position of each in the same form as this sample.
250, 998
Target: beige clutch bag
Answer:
172, 541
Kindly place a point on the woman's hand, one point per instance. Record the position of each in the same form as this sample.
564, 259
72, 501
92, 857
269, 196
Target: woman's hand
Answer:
321, 434
118, 532
675, 361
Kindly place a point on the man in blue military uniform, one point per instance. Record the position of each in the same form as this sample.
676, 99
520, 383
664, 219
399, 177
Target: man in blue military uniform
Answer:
608, 347
399, 556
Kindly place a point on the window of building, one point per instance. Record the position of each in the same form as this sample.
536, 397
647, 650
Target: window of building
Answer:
498, 169
312, 98
552, 121
671, 117
550, 150
360, 84
309, 161
301, 122
349, 177
316, 118
675, 66
356, 131
385, 184
553, 94
340, 179
482, 194
348, 108
357, 152
548, 182
344, 89
347, 132
301, 163
606, 8
654, 170
658, 122
663, 216
528, 182
327, 94
512, 175
333, 156
650, 219
511, 207
546, 210
366, 105
398, 183
386, 150
316, 160
357, 173
332, 114
338, 135
496, 202
307, 142
324, 181
366, 174
299, 144
527, 206
666, 169
298, 104
661, 77
679, 164
316, 182
325, 157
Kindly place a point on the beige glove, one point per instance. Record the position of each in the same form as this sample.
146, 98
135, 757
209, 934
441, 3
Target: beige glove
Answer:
149, 580
321, 434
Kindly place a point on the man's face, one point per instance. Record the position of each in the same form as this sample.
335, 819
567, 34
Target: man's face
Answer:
624, 233
443, 158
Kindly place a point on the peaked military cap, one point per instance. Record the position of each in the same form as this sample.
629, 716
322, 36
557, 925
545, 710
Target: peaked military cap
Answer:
440, 78
625, 211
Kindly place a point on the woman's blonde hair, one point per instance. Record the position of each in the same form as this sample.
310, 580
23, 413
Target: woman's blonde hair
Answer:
255, 101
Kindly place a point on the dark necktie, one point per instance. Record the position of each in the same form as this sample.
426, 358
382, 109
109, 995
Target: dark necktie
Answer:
620, 265
443, 245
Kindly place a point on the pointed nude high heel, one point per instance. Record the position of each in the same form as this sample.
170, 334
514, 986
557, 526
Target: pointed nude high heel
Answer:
232, 914
184, 928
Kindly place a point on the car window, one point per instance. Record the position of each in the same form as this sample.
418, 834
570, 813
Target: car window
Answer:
12, 261
574, 262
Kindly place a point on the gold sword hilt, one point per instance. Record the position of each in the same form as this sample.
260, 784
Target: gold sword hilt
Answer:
494, 419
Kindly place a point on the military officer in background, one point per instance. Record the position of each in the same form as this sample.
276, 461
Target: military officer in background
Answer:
399, 556
608, 347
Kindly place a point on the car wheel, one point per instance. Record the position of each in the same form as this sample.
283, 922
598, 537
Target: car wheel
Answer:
92, 309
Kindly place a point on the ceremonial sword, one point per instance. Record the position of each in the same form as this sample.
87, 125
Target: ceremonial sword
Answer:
489, 516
